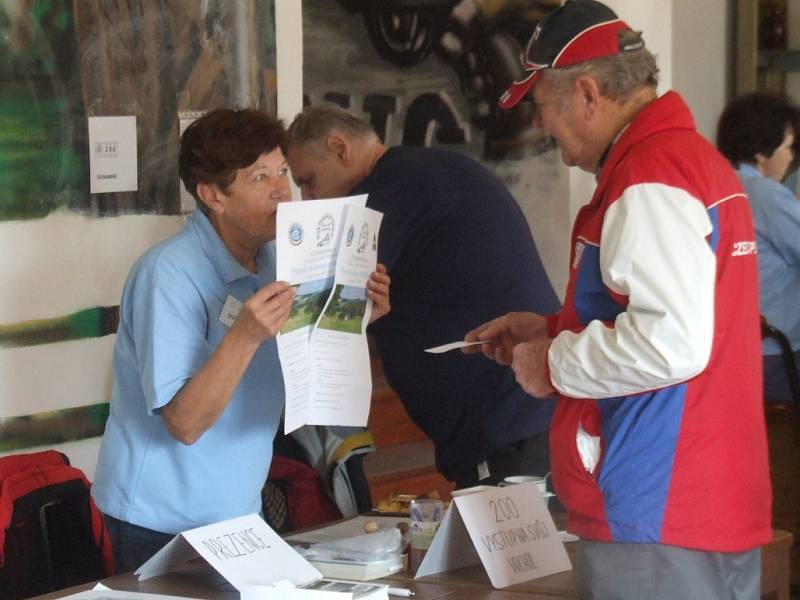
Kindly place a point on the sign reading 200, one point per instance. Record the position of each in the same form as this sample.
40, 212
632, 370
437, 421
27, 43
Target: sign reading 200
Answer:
504, 509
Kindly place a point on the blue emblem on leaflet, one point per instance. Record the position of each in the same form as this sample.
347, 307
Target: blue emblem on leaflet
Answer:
350, 235
295, 234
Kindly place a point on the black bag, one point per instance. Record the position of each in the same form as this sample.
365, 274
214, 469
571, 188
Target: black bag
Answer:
51, 534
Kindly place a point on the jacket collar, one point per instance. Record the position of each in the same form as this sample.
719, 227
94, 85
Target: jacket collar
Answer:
668, 112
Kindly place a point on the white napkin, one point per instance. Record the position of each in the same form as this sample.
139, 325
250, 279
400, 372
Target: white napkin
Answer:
588, 448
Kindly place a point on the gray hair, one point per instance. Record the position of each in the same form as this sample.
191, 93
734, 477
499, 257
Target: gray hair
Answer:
317, 122
618, 76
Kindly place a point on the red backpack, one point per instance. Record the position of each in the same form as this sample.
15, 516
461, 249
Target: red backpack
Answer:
52, 535
304, 499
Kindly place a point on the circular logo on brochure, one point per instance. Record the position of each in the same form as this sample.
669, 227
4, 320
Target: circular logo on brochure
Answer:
325, 230
295, 234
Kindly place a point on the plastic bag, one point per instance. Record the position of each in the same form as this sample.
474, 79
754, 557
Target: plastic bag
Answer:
379, 545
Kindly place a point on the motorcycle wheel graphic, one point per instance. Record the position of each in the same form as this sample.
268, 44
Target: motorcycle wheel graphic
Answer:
405, 32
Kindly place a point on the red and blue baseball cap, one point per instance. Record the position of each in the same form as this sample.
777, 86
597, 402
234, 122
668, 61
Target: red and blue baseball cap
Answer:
580, 30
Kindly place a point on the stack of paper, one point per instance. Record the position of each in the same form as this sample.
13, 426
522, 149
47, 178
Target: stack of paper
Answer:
359, 570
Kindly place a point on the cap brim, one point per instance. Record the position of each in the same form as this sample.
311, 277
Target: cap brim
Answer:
517, 91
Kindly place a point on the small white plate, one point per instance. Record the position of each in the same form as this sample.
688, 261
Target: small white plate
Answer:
472, 490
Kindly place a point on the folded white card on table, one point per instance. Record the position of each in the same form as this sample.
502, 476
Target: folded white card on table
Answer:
245, 551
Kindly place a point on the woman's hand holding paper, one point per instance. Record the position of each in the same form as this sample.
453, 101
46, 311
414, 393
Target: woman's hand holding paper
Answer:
378, 291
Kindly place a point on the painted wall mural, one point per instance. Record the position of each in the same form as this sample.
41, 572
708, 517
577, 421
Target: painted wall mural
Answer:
429, 72
64, 252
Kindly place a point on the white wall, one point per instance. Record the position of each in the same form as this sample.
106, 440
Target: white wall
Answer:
289, 59
700, 47
82, 454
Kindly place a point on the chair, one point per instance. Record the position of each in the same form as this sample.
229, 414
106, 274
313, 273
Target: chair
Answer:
783, 431
770, 331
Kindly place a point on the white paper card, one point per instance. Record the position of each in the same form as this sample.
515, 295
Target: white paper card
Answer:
325, 589
511, 531
104, 593
323, 346
261, 592
452, 346
230, 311
112, 155
188, 203
245, 551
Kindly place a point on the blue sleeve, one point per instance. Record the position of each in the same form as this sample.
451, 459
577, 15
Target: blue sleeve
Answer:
169, 329
779, 218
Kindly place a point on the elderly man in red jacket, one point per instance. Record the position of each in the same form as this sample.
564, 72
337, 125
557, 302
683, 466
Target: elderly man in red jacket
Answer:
658, 442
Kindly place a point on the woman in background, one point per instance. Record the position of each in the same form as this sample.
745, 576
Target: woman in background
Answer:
758, 133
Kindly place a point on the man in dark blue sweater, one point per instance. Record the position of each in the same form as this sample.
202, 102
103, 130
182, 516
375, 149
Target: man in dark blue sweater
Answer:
459, 251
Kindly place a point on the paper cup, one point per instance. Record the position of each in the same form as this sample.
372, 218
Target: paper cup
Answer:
540, 482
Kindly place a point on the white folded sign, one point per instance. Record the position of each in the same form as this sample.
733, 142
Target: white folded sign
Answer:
509, 530
245, 551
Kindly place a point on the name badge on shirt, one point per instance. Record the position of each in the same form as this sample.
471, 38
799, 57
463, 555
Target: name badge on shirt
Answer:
230, 311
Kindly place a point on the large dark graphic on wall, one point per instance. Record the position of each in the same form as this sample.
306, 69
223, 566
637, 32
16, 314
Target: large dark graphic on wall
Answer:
429, 73
479, 42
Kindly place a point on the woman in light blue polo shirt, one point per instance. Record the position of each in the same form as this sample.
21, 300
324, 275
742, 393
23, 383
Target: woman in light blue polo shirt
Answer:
758, 133
198, 390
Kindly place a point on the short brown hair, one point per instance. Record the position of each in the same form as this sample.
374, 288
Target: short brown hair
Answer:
316, 122
222, 141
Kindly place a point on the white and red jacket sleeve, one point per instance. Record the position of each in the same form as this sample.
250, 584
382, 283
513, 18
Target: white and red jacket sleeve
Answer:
654, 253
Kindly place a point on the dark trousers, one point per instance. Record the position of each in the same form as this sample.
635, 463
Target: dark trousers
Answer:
133, 545
526, 457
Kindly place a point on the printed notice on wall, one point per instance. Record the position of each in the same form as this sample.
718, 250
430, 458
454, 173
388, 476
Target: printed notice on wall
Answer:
112, 155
